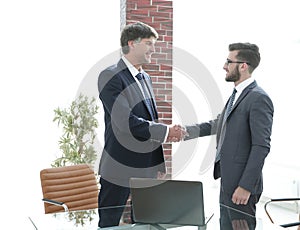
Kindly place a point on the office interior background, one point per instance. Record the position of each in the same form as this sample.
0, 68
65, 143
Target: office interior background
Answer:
48, 47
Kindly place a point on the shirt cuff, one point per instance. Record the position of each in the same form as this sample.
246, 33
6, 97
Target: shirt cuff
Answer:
167, 133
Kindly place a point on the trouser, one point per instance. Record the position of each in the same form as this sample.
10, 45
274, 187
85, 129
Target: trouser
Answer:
111, 202
234, 216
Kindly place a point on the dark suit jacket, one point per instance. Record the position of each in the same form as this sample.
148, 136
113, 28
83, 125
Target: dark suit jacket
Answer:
246, 140
132, 140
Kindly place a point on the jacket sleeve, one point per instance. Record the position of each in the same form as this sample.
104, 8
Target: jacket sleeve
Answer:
260, 121
202, 129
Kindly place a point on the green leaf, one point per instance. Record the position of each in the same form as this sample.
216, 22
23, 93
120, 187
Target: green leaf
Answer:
78, 123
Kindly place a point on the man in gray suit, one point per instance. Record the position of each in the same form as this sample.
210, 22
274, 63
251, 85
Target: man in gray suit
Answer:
243, 132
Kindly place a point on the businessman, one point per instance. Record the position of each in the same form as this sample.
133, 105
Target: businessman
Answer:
243, 132
133, 135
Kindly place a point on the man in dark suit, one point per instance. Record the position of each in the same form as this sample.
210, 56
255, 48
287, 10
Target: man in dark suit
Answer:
133, 135
243, 132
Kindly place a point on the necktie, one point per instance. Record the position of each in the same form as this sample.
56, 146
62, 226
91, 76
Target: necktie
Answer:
227, 112
229, 105
146, 93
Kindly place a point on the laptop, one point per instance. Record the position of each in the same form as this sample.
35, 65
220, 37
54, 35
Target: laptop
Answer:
174, 202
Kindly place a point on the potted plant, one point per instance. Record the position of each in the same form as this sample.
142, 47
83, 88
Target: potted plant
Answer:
78, 123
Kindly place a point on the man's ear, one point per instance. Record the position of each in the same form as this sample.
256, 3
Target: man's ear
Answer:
244, 66
131, 44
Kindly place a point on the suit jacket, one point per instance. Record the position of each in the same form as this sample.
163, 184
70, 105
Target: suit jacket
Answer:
246, 142
132, 139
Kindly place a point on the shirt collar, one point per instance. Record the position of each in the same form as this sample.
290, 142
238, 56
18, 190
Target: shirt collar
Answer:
130, 67
240, 87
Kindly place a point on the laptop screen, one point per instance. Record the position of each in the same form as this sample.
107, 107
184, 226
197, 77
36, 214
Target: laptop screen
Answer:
167, 202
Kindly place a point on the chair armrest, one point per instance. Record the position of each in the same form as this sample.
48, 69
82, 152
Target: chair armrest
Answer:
290, 225
54, 202
279, 200
285, 199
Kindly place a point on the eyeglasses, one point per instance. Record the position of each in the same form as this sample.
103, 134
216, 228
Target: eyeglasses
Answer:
228, 61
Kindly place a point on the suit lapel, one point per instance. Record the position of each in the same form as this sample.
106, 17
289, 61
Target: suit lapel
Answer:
129, 78
126, 73
241, 97
244, 94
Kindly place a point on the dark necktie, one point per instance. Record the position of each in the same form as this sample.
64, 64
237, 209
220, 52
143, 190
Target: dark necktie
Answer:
146, 92
229, 105
227, 112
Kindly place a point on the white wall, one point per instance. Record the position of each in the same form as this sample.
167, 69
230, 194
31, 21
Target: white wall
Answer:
204, 29
47, 48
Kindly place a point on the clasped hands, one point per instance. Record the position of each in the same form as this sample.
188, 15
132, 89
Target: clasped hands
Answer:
176, 133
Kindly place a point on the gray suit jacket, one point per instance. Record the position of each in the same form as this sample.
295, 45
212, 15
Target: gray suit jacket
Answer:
246, 141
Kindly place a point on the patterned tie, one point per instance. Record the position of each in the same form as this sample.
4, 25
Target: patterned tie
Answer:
227, 112
148, 99
229, 105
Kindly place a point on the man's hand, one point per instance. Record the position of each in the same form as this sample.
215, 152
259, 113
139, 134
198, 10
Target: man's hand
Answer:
240, 196
176, 133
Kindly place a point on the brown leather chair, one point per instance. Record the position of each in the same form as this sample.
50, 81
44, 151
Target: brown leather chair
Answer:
69, 188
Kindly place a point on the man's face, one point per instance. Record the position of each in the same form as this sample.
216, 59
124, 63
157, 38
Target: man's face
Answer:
232, 68
143, 50
233, 74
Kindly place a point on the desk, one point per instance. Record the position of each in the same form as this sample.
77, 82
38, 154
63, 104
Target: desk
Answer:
66, 221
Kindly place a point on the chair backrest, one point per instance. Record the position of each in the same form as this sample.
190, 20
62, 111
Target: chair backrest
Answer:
74, 185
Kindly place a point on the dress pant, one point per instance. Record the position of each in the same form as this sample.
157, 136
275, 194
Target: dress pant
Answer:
111, 203
234, 217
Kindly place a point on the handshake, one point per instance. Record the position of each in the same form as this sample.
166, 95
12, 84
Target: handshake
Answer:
176, 133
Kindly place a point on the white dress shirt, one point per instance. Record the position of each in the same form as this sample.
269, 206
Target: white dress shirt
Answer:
240, 87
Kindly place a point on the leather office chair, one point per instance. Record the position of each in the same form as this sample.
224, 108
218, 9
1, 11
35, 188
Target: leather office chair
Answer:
282, 200
69, 188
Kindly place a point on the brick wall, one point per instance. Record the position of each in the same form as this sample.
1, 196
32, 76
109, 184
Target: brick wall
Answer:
159, 15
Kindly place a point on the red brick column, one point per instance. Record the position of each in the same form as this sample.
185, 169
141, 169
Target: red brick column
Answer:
159, 15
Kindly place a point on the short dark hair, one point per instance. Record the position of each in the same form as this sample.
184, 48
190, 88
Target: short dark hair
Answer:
247, 52
137, 30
